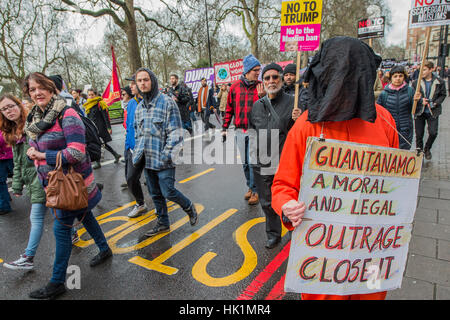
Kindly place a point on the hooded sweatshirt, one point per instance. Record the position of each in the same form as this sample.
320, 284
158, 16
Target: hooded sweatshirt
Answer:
158, 128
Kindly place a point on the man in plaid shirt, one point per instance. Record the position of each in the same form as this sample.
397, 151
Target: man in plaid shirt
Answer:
159, 134
243, 94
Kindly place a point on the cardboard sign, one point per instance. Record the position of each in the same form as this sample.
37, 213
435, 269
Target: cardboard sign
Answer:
371, 28
228, 72
193, 78
300, 25
360, 202
429, 13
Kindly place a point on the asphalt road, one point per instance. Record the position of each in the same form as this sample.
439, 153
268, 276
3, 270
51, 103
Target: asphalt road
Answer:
221, 258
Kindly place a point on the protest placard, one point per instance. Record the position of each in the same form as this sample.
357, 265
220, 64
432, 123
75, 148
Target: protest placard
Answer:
429, 13
228, 72
371, 28
192, 78
360, 204
300, 25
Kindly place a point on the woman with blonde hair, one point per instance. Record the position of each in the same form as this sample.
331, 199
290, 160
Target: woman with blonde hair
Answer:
12, 121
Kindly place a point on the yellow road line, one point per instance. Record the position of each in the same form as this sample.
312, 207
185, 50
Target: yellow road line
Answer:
197, 175
157, 263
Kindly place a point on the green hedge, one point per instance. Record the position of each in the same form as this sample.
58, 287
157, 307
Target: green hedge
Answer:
116, 111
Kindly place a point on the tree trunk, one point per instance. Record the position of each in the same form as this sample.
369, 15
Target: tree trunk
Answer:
134, 54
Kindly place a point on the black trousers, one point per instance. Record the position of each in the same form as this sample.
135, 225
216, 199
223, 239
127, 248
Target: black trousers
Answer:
134, 174
433, 127
264, 186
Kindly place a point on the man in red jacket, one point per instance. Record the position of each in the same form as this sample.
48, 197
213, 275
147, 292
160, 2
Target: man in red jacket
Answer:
243, 94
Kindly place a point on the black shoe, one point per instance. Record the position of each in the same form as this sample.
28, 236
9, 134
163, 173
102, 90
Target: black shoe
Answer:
4, 212
101, 257
97, 165
50, 291
117, 158
157, 230
100, 186
193, 216
272, 243
428, 155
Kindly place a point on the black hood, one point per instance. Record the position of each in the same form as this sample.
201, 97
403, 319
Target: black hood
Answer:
149, 96
341, 78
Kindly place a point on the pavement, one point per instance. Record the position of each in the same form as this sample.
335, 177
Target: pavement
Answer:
427, 275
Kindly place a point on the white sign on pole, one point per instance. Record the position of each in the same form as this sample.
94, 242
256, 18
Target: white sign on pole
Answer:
360, 202
429, 13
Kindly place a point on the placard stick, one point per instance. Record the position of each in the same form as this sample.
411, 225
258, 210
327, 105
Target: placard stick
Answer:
425, 54
371, 42
297, 78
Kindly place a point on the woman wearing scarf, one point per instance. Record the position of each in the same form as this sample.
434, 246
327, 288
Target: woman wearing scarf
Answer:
12, 121
341, 107
97, 110
398, 99
50, 134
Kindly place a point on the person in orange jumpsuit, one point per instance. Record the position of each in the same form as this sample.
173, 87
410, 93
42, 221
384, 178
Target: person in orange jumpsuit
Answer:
341, 107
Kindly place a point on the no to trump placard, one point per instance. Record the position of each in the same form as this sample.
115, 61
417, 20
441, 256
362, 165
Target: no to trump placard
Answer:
300, 25
360, 202
371, 28
429, 13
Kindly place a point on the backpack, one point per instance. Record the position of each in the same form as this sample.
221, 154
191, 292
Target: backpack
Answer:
93, 141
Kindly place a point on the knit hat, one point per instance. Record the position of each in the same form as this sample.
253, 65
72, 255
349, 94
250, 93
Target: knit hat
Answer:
272, 66
57, 79
290, 68
250, 62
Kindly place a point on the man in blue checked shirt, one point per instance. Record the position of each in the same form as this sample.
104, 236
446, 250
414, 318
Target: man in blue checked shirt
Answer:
158, 135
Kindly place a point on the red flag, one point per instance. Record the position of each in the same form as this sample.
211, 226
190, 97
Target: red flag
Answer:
112, 91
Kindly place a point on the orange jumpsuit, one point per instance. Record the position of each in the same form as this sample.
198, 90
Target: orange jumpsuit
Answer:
286, 184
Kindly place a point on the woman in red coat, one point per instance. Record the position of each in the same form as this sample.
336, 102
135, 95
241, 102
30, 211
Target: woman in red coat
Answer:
339, 110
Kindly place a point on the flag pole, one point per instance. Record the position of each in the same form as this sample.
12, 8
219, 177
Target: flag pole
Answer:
297, 78
425, 55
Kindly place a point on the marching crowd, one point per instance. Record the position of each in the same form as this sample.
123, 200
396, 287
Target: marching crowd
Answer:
337, 98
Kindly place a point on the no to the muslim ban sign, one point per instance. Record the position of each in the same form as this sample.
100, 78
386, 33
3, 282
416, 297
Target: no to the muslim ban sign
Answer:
300, 25
429, 13
360, 201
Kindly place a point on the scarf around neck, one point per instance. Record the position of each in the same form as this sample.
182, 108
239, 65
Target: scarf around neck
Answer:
39, 121
93, 102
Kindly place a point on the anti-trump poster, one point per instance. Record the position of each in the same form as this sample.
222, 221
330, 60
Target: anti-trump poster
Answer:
193, 78
360, 204
300, 25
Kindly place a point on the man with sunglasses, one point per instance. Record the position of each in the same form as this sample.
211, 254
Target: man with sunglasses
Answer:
271, 117
243, 94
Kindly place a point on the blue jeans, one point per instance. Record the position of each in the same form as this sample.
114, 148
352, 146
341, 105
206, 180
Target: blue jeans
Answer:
6, 167
64, 240
160, 185
37, 215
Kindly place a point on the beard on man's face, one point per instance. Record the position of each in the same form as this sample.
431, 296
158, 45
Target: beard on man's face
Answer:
273, 88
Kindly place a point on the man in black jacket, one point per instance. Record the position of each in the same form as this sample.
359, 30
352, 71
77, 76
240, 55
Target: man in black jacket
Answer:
429, 108
271, 117
180, 94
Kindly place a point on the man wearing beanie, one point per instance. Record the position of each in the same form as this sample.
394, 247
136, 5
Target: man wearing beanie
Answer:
243, 94
289, 76
271, 118
70, 101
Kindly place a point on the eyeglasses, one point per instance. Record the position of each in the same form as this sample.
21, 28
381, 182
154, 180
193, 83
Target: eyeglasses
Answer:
7, 107
274, 77
256, 70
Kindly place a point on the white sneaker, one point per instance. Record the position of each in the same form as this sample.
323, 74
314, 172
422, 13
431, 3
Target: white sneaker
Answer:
23, 263
137, 211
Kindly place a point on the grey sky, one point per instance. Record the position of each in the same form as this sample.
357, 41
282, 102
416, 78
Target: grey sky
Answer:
397, 33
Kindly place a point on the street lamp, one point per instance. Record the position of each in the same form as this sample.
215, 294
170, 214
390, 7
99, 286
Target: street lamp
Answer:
207, 31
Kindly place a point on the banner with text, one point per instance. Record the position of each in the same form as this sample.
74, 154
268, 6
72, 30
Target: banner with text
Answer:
300, 25
360, 202
193, 79
371, 28
429, 13
228, 72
